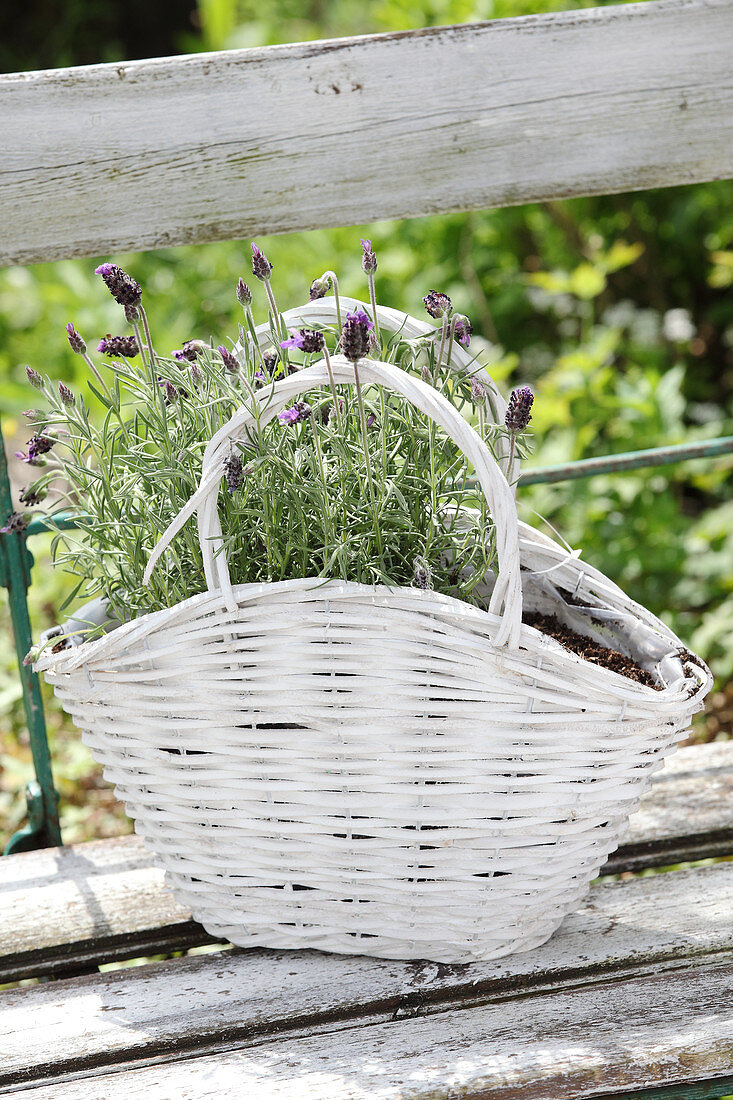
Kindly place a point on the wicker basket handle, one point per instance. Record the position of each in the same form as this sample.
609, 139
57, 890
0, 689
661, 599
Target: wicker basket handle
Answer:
506, 599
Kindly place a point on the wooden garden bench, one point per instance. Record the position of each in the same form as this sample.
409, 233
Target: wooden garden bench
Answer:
634, 995
634, 991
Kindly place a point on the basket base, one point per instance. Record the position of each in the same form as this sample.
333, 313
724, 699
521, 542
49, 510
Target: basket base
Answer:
491, 931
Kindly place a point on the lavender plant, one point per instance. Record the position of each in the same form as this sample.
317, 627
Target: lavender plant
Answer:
349, 482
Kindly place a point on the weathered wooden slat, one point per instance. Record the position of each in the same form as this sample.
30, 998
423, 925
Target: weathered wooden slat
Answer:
62, 910
627, 969
623, 1037
148, 154
687, 814
65, 909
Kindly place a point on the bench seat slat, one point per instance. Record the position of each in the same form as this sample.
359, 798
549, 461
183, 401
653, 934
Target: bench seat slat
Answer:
104, 901
597, 979
672, 1029
642, 926
686, 815
151, 154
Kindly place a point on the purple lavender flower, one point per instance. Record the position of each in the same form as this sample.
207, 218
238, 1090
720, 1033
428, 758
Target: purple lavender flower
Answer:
233, 472
31, 495
299, 411
244, 294
124, 346
29, 459
519, 413
34, 378
369, 259
270, 362
41, 444
462, 329
14, 521
308, 340
319, 288
261, 266
437, 304
371, 420
190, 351
355, 335
171, 392
421, 574
121, 286
38, 445
197, 375
479, 390
66, 395
229, 360
75, 340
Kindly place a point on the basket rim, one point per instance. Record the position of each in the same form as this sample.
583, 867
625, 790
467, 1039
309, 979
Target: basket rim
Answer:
684, 689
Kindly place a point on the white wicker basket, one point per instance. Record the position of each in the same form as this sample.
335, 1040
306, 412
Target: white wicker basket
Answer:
380, 771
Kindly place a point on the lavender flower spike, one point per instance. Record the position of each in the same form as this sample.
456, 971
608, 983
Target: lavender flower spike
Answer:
76, 343
121, 286
124, 346
462, 329
244, 294
437, 304
308, 340
479, 390
369, 259
34, 378
355, 335
297, 412
230, 362
66, 395
261, 266
32, 495
519, 413
190, 351
319, 288
38, 445
233, 472
421, 574
15, 521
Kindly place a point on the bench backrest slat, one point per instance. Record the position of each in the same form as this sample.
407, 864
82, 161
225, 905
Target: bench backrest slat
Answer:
150, 154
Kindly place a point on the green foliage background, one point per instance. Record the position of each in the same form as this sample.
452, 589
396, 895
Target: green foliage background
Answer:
570, 296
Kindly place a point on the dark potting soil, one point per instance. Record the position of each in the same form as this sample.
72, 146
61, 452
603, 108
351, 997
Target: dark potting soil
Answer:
589, 650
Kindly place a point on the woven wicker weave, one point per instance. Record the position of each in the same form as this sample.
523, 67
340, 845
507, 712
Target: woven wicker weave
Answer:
380, 771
